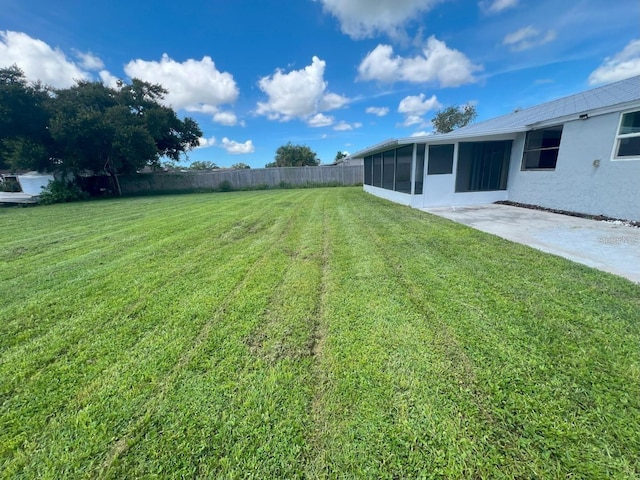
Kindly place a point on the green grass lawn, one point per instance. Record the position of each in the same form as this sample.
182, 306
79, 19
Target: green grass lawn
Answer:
314, 333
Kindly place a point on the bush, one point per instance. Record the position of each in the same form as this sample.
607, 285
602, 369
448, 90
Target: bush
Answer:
225, 186
59, 191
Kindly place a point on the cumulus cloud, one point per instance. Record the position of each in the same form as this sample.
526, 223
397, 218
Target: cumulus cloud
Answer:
89, 61
622, 65
497, 6
225, 118
528, 37
437, 64
193, 85
320, 120
237, 148
378, 111
299, 94
109, 80
206, 142
364, 18
422, 133
344, 126
38, 60
413, 107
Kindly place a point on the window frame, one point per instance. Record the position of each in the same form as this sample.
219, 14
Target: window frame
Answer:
525, 150
620, 136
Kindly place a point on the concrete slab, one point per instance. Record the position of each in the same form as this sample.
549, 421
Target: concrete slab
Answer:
607, 246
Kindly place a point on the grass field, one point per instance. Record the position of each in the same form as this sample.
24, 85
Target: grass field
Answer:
313, 333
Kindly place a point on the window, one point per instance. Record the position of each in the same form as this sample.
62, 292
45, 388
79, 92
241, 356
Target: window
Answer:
440, 159
541, 149
388, 167
482, 166
377, 170
419, 169
404, 156
368, 170
628, 139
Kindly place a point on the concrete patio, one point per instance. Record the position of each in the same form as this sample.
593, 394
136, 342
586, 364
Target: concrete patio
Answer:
607, 246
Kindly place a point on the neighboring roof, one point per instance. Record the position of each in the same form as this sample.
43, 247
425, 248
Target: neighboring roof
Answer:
612, 97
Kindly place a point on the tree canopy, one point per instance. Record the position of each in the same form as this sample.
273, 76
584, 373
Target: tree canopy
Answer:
451, 118
290, 155
340, 155
88, 127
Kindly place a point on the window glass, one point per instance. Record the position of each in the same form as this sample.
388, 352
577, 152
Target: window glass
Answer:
377, 170
388, 169
541, 148
368, 170
419, 169
404, 156
482, 166
628, 140
440, 159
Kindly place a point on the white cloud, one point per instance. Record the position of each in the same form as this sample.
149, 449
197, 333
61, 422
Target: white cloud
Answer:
206, 142
225, 118
379, 111
437, 64
299, 94
365, 18
344, 126
237, 148
497, 6
89, 61
38, 60
422, 133
193, 85
332, 101
109, 80
622, 65
527, 37
320, 120
415, 106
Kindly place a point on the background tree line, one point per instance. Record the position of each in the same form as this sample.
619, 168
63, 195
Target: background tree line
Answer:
88, 127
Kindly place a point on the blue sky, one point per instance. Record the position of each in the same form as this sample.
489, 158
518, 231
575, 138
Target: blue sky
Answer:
336, 75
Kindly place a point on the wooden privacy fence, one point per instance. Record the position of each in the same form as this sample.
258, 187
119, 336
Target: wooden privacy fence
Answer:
240, 179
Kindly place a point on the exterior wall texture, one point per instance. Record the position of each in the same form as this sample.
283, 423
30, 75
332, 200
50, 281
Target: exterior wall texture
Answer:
240, 179
611, 189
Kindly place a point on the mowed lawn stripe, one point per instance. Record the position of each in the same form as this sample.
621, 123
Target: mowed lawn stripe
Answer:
305, 333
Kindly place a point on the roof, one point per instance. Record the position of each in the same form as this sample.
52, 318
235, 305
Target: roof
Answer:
613, 97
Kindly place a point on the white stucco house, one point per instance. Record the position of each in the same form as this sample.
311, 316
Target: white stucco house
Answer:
579, 153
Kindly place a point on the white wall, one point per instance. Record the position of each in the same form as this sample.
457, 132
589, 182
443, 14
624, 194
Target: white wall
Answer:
612, 189
401, 198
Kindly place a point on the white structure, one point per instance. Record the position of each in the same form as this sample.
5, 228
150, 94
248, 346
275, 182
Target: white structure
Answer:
31, 185
579, 153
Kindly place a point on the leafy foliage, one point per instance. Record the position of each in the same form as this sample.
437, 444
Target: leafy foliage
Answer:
203, 165
88, 127
340, 155
240, 166
59, 191
451, 118
294, 156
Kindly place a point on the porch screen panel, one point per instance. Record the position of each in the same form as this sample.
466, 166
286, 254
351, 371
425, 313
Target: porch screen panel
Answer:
388, 169
483, 166
419, 169
368, 170
403, 169
440, 159
377, 170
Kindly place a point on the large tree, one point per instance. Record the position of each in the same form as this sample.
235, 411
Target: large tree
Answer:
24, 138
101, 129
294, 156
451, 118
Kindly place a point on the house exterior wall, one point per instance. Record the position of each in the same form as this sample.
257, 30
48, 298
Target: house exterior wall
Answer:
611, 189
397, 197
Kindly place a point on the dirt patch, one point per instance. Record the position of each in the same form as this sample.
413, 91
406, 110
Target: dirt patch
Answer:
601, 218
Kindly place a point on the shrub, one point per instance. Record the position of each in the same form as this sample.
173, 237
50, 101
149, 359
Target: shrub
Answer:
59, 191
225, 186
